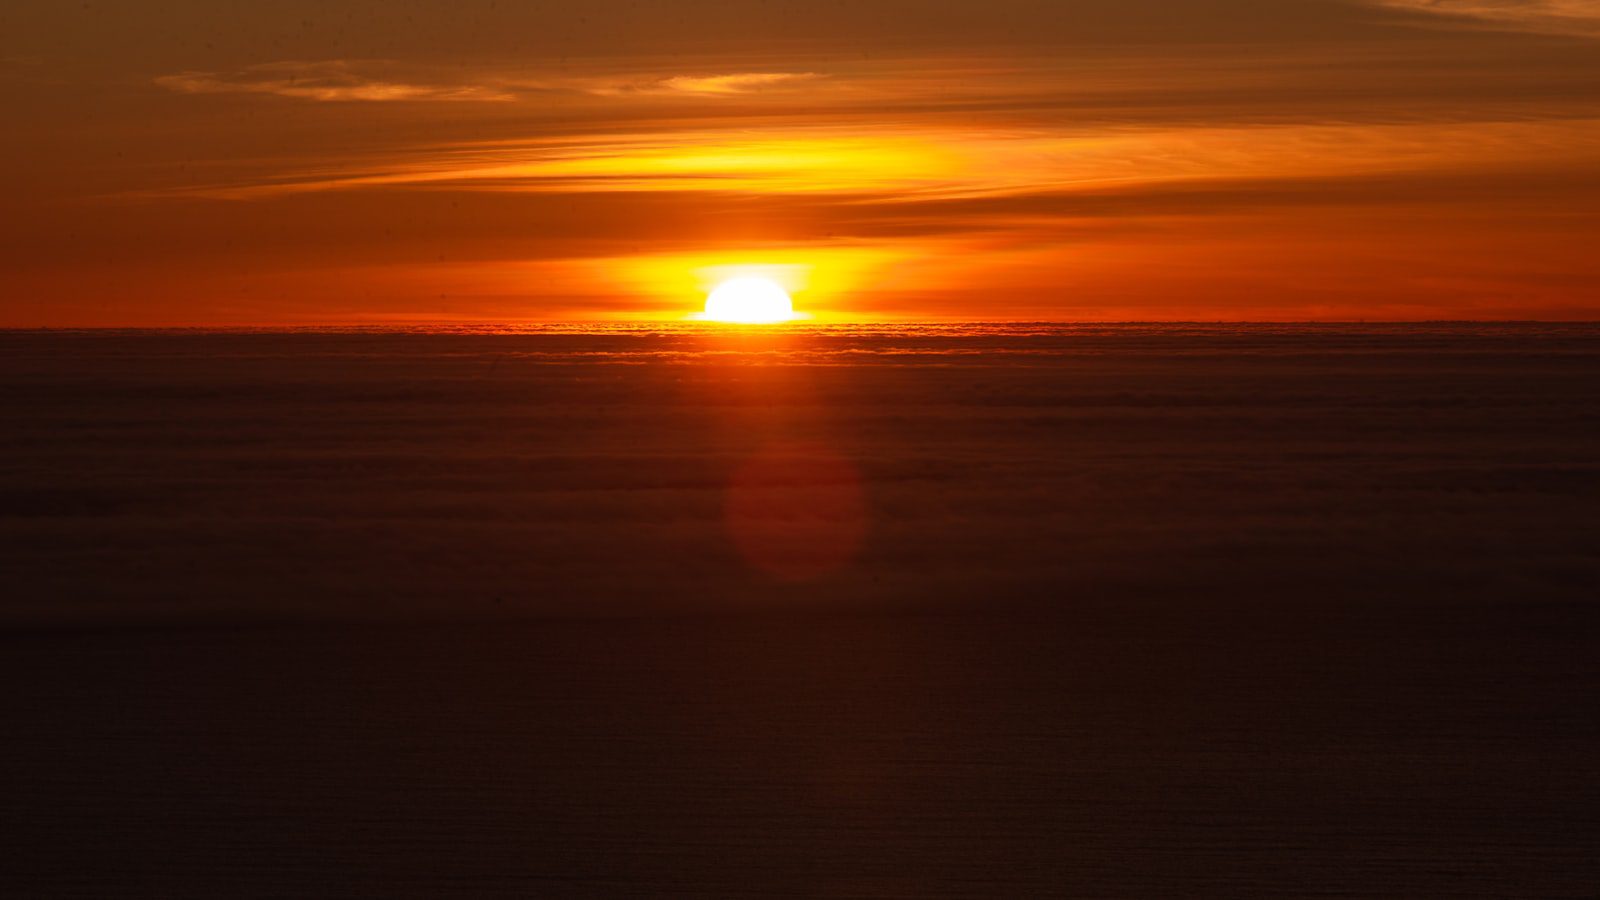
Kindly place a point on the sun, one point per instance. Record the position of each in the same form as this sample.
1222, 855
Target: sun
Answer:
749, 300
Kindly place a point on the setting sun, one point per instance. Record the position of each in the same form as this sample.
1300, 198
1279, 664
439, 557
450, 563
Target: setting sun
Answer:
750, 300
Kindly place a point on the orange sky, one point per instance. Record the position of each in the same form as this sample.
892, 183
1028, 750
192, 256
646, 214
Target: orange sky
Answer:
199, 163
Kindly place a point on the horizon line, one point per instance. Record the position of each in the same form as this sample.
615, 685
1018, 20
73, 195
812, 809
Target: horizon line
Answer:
799, 325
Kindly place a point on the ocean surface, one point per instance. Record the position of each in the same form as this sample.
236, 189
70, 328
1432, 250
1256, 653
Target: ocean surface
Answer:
904, 611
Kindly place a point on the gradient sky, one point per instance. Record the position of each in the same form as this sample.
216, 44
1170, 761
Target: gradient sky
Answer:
257, 162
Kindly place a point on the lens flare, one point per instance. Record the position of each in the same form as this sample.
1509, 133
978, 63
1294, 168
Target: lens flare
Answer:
797, 511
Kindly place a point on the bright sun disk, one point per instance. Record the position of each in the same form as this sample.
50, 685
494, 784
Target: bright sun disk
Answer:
749, 300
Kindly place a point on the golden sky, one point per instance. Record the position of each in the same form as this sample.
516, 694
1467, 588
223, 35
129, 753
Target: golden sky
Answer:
255, 162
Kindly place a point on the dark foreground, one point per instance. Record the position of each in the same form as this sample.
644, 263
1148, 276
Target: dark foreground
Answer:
1140, 612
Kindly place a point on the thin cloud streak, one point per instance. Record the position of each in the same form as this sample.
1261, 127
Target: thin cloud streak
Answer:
706, 85
1576, 18
340, 81
325, 81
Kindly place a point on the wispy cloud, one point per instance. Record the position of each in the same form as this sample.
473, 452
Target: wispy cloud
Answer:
943, 128
378, 81
1579, 18
709, 85
328, 81
896, 164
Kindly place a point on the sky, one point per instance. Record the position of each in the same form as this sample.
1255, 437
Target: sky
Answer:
279, 162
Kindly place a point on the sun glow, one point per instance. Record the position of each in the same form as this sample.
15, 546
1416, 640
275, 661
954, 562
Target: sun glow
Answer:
749, 300
826, 282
